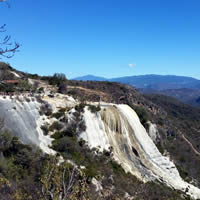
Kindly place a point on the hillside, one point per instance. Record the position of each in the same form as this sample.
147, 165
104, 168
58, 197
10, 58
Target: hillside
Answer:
113, 142
154, 82
185, 89
185, 95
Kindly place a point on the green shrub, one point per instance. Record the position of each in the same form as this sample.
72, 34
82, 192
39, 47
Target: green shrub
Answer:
55, 126
45, 129
81, 126
160, 147
80, 107
45, 109
142, 114
57, 115
116, 167
41, 90
93, 108
182, 172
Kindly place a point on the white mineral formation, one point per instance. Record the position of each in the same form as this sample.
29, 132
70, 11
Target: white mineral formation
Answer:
115, 125
153, 131
21, 116
119, 126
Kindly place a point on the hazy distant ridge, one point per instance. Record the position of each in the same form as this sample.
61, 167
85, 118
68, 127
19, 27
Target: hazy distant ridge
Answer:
90, 78
155, 82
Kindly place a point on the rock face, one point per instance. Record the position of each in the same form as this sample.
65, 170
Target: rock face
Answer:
119, 126
116, 126
21, 115
153, 132
23, 119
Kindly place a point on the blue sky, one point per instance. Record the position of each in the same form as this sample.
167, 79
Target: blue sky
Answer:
109, 38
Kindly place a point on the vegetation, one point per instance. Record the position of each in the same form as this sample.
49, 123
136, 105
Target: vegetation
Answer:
38, 176
101, 166
178, 120
55, 126
80, 107
23, 85
45, 108
19, 168
45, 129
26, 173
142, 114
93, 108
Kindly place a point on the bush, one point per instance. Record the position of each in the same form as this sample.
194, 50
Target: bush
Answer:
55, 126
45, 129
94, 109
45, 109
57, 115
57, 79
41, 90
24, 85
62, 88
142, 114
82, 126
80, 107
116, 167
20, 169
65, 144
5, 141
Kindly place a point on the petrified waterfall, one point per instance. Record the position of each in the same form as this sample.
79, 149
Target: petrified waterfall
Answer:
115, 125
22, 118
119, 126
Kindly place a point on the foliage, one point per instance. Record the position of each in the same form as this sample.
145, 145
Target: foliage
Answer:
56, 126
20, 169
23, 85
179, 121
61, 182
80, 107
58, 114
142, 114
45, 129
62, 88
57, 79
41, 90
45, 108
93, 108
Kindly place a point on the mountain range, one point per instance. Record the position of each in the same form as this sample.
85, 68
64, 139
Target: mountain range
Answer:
186, 89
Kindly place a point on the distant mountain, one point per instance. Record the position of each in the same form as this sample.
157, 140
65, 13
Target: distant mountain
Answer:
153, 82
90, 78
159, 82
185, 89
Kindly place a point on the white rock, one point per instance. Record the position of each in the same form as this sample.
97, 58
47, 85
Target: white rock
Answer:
119, 126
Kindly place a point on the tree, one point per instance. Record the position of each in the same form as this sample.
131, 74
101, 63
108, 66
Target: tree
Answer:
7, 48
57, 79
63, 181
62, 88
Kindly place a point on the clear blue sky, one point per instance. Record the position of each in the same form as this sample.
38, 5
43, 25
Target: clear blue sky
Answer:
109, 38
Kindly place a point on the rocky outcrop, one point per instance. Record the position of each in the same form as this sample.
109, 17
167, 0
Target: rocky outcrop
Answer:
119, 126
20, 115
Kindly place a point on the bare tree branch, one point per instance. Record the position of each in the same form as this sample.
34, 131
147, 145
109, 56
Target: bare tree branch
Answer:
7, 48
71, 180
